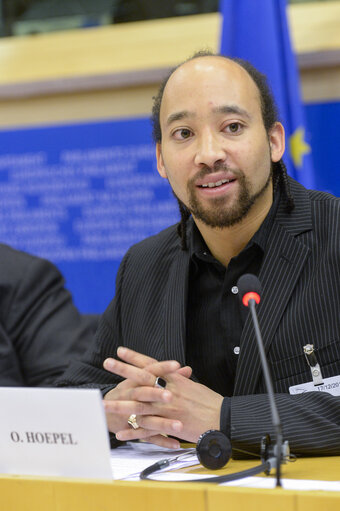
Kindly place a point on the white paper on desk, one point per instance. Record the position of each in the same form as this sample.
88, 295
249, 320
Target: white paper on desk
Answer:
287, 484
54, 432
132, 458
129, 460
253, 482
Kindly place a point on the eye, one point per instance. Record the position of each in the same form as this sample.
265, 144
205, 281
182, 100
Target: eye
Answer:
234, 127
182, 134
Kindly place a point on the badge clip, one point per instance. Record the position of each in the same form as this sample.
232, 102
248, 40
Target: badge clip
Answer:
313, 364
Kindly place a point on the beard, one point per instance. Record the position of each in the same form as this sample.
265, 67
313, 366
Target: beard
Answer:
220, 214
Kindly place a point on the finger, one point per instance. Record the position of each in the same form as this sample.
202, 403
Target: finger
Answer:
119, 391
127, 408
185, 371
134, 358
159, 425
125, 435
163, 441
142, 361
140, 376
147, 394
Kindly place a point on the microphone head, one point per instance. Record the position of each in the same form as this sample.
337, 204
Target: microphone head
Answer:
249, 287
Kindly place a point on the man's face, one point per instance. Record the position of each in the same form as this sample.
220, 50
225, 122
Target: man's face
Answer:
215, 151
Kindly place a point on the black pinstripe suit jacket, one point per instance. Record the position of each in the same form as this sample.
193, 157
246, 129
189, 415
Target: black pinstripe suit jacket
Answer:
300, 278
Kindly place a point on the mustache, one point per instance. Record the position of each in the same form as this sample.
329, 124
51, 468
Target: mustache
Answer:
219, 166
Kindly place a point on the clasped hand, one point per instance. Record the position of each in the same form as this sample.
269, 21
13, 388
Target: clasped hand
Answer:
185, 409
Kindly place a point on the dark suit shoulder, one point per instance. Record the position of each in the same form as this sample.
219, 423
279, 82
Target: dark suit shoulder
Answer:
162, 239
157, 249
329, 200
313, 211
14, 263
18, 269
145, 270
299, 191
325, 210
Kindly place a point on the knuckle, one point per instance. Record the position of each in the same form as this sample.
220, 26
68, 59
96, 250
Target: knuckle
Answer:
138, 394
145, 378
142, 408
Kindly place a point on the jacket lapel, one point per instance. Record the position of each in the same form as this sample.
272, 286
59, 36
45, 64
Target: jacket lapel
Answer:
283, 262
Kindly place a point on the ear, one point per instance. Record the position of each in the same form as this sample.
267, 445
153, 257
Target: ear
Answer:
277, 141
160, 162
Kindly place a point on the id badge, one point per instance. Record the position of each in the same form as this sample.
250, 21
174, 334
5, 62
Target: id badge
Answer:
330, 385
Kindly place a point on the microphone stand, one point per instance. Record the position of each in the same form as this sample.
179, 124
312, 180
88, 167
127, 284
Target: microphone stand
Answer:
271, 456
273, 408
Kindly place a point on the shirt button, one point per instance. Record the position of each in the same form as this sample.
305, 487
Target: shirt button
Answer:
234, 290
237, 350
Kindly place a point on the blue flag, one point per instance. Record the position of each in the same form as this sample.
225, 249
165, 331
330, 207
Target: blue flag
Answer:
257, 31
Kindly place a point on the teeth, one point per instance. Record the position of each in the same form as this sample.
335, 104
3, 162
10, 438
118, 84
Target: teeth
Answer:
219, 183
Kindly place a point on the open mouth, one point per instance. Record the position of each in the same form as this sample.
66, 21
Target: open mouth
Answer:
216, 184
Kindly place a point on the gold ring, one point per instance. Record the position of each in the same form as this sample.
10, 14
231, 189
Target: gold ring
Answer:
132, 421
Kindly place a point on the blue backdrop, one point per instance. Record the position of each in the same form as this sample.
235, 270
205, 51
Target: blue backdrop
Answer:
258, 32
81, 194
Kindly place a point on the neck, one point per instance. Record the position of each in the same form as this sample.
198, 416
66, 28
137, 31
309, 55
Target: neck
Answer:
228, 242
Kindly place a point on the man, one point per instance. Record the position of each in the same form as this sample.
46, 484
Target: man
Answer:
219, 143
41, 330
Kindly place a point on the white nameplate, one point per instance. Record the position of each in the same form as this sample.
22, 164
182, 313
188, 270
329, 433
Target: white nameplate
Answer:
330, 385
54, 432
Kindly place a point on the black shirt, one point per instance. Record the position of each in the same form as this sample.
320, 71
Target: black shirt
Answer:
215, 315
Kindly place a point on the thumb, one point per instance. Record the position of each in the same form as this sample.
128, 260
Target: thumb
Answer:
185, 371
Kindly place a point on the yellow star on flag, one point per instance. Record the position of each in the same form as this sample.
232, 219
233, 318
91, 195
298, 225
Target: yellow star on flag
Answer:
298, 147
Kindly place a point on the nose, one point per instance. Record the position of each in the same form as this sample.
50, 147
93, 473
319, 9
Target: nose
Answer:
209, 150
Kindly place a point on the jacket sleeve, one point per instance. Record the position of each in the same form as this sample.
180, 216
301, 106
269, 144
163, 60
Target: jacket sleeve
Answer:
45, 328
310, 422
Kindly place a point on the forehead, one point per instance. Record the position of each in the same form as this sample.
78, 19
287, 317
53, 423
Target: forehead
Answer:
210, 82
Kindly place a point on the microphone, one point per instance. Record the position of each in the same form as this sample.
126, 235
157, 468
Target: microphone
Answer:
250, 294
249, 288
213, 448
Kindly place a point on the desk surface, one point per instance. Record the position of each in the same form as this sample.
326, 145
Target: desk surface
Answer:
18, 493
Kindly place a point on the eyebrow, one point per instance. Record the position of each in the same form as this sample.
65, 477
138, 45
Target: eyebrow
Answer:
231, 109
223, 109
178, 116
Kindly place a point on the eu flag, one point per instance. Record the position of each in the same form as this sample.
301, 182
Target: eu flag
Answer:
257, 31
